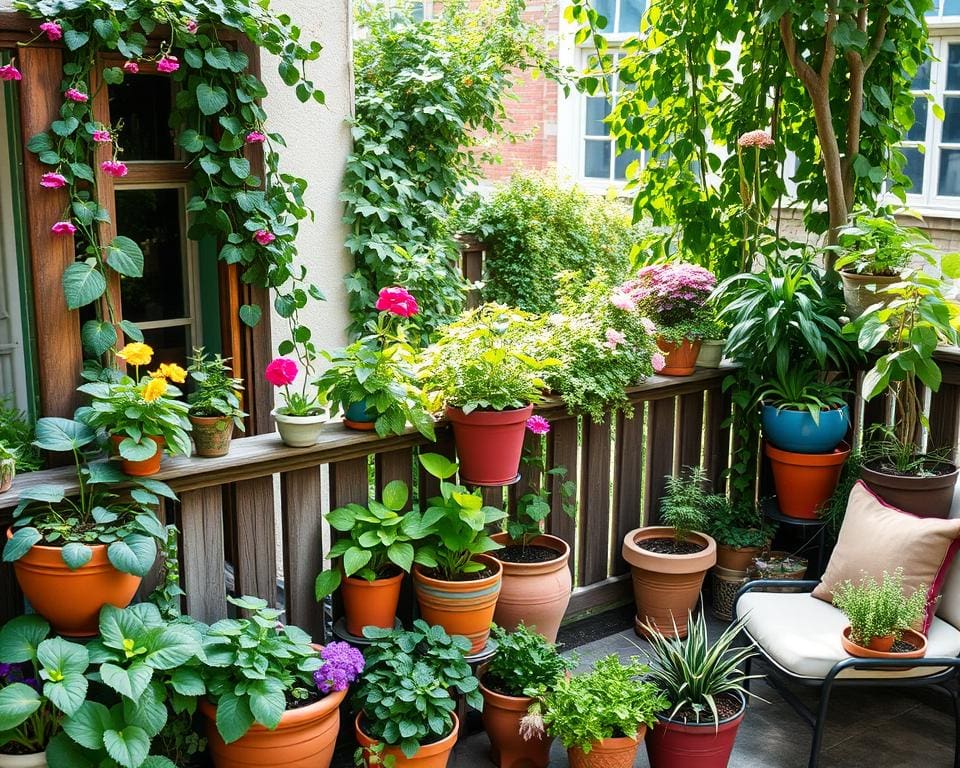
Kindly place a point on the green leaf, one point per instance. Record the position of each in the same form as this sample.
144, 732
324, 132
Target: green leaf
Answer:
118, 625
234, 717
76, 555
63, 666
267, 702
138, 450
188, 682
20, 637
83, 284
64, 128
218, 58
98, 336
131, 330
401, 555
211, 99
129, 746
395, 495
354, 559
149, 710
40, 142
326, 584
17, 703
210, 165
191, 141
56, 434
951, 265
250, 314
113, 75
87, 724
240, 167
75, 39
125, 257
129, 682
439, 466
134, 554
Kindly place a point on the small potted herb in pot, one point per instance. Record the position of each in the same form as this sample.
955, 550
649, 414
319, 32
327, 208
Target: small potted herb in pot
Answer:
8, 467
601, 717
883, 620
739, 529
404, 700
525, 667
214, 404
669, 562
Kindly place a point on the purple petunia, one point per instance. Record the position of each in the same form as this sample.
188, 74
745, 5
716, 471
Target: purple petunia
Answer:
342, 663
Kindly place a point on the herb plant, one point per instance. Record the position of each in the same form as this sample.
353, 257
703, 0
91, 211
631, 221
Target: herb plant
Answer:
217, 390
16, 433
881, 609
526, 663
879, 245
736, 524
685, 502
802, 388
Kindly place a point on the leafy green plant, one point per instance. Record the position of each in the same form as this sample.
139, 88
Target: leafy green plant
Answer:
533, 507
736, 524
526, 663
803, 388
16, 433
881, 609
835, 509
882, 449
685, 502
126, 523
166, 595
694, 673
217, 390
405, 693
8, 454
879, 245
612, 700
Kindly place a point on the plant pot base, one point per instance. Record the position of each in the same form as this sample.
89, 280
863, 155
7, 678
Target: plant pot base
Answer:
359, 426
916, 639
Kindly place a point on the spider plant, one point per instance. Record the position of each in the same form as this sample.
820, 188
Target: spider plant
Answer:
802, 388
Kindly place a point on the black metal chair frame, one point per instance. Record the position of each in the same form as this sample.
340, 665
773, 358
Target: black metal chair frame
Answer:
817, 719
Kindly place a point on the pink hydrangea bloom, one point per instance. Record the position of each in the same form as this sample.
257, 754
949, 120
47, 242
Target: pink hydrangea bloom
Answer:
397, 301
102, 137
256, 137
131, 67
63, 228
758, 139
623, 301
76, 95
53, 181
614, 338
658, 361
114, 168
538, 425
282, 371
671, 292
52, 30
10, 72
168, 64
264, 236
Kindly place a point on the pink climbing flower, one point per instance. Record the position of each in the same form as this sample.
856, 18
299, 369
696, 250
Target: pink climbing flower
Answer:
131, 67
192, 26
63, 228
397, 301
114, 168
758, 139
264, 237
78, 96
614, 338
282, 371
256, 137
10, 72
53, 181
623, 301
102, 137
658, 361
52, 30
538, 425
168, 64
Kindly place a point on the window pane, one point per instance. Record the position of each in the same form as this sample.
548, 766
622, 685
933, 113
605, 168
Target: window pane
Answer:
623, 160
630, 13
170, 345
596, 159
606, 8
949, 173
918, 131
142, 103
151, 217
951, 119
597, 109
914, 169
951, 8
417, 11
922, 80
953, 67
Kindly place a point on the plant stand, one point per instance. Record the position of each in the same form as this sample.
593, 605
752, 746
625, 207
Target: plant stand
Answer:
813, 534
340, 630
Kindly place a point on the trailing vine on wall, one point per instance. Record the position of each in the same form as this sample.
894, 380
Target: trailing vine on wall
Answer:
216, 115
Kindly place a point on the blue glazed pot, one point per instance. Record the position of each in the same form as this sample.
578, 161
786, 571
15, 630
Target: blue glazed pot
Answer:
796, 431
359, 413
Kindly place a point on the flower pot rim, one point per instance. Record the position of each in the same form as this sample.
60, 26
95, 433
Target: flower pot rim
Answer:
667, 720
545, 540
858, 651
418, 573
616, 742
291, 718
425, 750
280, 416
868, 276
354, 581
668, 563
505, 416
209, 419
29, 759
98, 549
830, 459
903, 481
836, 409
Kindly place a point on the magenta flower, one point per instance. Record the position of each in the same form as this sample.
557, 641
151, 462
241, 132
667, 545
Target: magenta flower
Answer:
10, 72
168, 64
658, 361
264, 236
131, 67
670, 293
758, 139
623, 301
52, 30
102, 137
63, 228
114, 168
282, 371
192, 26
53, 181
256, 137
397, 301
78, 96
538, 425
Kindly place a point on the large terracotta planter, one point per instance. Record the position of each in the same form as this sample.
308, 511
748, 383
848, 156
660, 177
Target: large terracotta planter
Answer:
143, 468
489, 444
460, 607
862, 291
805, 481
36, 760
212, 435
8, 470
435, 755
305, 738
370, 603
609, 753
71, 600
674, 744
880, 647
298, 431
681, 358
666, 587
536, 594
501, 720
920, 496
711, 353
736, 558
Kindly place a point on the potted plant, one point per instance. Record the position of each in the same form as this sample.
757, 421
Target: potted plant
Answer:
270, 691
525, 667
214, 404
404, 700
674, 296
455, 581
376, 549
883, 620
72, 554
301, 417
536, 574
706, 689
140, 414
373, 380
601, 717
738, 528
479, 368
803, 412
8, 467
713, 342
669, 562
907, 331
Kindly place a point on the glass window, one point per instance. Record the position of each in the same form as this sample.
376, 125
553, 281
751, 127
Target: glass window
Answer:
141, 106
948, 174
600, 158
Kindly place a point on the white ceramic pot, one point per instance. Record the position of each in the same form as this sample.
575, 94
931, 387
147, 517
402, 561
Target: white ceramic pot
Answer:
711, 353
37, 760
298, 431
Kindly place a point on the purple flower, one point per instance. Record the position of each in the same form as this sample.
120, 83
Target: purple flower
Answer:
342, 663
670, 292
5, 670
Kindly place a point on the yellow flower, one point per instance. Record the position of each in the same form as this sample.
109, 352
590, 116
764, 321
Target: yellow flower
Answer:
136, 353
171, 371
154, 390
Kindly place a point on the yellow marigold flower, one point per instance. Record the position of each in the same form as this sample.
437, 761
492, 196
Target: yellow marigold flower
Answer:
158, 374
136, 353
174, 372
155, 389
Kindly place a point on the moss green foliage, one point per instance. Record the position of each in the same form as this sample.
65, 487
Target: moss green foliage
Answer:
879, 609
16, 435
736, 524
526, 663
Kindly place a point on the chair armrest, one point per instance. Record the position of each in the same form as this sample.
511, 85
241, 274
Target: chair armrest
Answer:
894, 664
762, 585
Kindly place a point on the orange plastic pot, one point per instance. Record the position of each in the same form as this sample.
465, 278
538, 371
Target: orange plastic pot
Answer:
501, 720
880, 647
608, 753
305, 738
370, 603
139, 468
489, 444
71, 600
435, 755
460, 607
681, 359
805, 481
736, 558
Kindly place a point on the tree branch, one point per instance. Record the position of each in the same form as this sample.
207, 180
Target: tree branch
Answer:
879, 34
829, 47
805, 72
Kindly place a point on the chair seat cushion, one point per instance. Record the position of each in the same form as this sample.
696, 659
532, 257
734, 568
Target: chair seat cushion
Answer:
801, 635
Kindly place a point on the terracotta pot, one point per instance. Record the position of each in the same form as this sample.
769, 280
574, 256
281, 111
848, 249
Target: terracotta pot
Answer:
143, 468
298, 431
880, 646
681, 358
805, 481
711, 353
435, 755
212, 435
736, 558
8, 471
920, 496
460, 607
535, 593
370, 603
489, 444
861, 291
666, 587
609, 753
674, 744
36, 760
501, 721
71, 600
305, 738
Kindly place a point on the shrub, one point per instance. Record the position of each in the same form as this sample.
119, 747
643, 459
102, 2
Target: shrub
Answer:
736, 524
879, 609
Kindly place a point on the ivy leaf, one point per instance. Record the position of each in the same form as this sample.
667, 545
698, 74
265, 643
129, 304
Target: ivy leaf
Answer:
98, 336
65, 127
113, 75
85, 172
134, 554
104, 28
83, 284
211, 99
250, 314
191, 141
218, 58
210, 165
240, 167
125, 257
75, 39
40, 142
131, 330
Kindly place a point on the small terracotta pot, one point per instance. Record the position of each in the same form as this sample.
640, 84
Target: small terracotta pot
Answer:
861, 291
36, 760
666, 587
501, 720
8, 471
711, 353
674, 744
489, 444
143, 468
358, 417
460, 607
681, 358
608, 753
805, 481
736, 558
879, 647
212, 435
71, 600
536, 594
298, 431
305, 738
921, 496
435, 755
370, 603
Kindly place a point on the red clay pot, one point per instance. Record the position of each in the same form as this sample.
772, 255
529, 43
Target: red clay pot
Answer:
435, 755
681, 358
674, 744
370, 603
489, 444
143, 468
609, 753
501, 720
71, 600
879, 647
535, 593
805, 481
